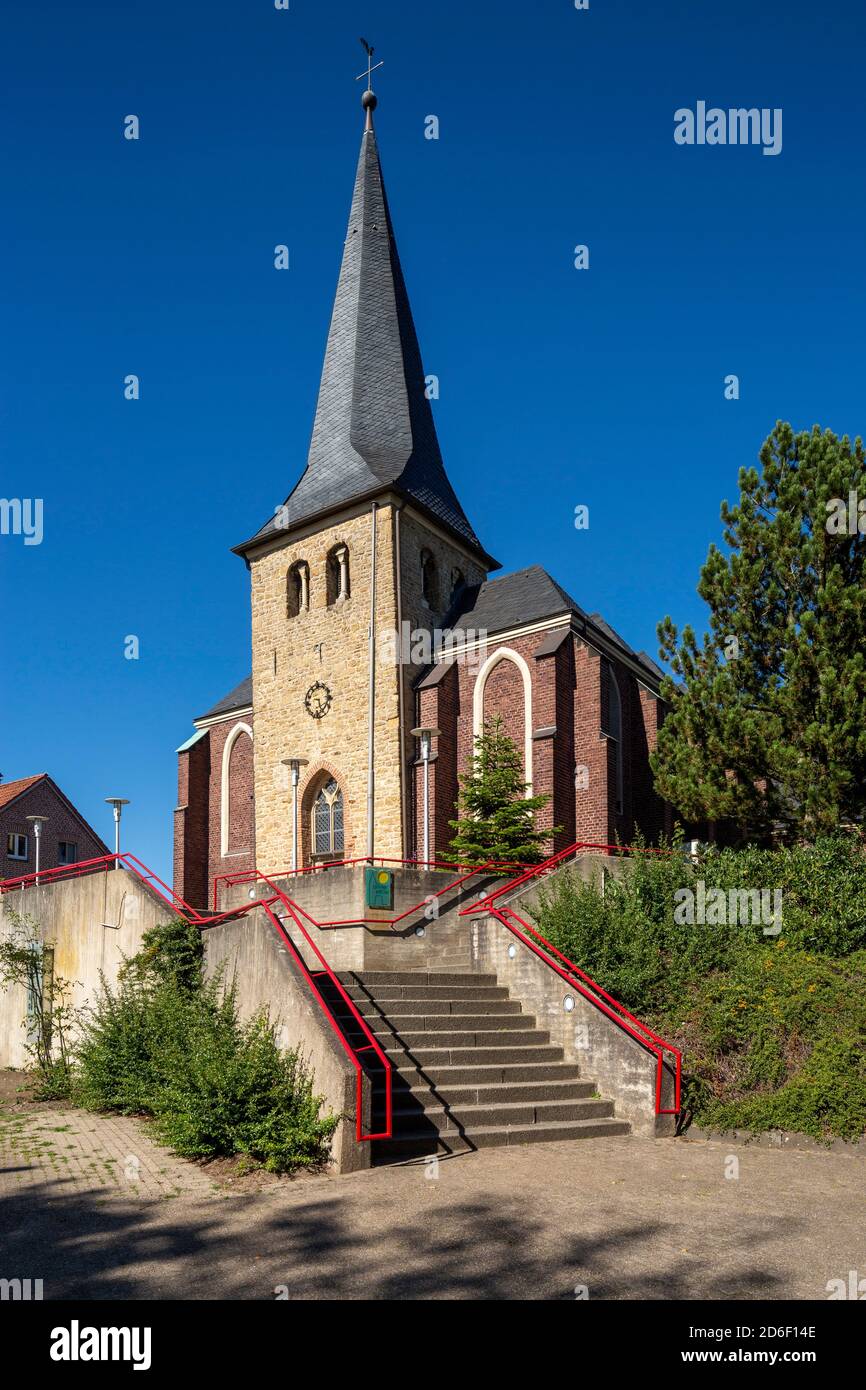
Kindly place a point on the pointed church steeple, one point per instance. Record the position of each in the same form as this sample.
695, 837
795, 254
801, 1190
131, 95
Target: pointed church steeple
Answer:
374, 424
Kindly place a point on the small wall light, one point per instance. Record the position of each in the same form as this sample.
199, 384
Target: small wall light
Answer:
568, 1003
420, 931
512, 952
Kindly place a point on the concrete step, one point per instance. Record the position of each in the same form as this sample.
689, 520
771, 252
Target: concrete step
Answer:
536, 1072
435, 1008
511, 1115
443, 1023
372, 979
441, 1092
387, 993
432, 1058
509, 1042
416, 1145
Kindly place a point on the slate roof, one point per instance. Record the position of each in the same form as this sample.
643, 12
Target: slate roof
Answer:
374, 424
239, 698
531, 596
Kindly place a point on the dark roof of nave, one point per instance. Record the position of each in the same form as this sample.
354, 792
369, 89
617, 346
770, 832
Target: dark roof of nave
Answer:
374, 426
239, 698
532, 596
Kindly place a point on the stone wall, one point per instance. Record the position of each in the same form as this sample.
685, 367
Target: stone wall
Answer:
330, 643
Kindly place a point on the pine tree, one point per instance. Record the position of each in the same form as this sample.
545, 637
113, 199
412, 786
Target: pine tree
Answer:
768, 721
496, 818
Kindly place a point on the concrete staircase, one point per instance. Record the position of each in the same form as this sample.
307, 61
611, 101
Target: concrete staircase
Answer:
470, 1068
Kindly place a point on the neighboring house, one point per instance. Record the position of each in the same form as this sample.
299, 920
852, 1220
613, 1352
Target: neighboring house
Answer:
66, 836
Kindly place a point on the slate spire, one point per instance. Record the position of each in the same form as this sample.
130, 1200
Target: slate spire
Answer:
374, 424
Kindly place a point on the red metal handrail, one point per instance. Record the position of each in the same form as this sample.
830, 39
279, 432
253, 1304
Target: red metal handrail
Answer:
253, 875
82, 868
371, 1043
494, 867
546, 865
626, 1020
646, 1037
177, 904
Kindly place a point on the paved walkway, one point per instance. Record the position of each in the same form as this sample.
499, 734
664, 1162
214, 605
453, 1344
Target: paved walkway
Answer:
83, 1205
108, 1154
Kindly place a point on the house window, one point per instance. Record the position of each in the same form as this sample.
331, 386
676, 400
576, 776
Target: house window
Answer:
18, 846
328, 820
67, 852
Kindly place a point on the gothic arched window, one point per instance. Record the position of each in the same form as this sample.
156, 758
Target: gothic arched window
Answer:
429, 585
298, 589
328, 820
458, 583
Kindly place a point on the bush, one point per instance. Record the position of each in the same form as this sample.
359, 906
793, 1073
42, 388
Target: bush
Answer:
773, 1028
166, 1045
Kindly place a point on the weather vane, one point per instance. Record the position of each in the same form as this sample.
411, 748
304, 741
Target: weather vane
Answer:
371, 66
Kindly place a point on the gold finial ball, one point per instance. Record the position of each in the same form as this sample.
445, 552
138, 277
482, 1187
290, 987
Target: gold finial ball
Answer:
369, 101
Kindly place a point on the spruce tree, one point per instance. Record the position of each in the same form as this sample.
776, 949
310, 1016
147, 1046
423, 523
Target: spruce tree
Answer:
495, 818
768, 721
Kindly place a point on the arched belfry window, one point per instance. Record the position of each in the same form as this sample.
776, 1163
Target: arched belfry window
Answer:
338, 575
429, 580
614, 729
298, 589
328, 836
458, 584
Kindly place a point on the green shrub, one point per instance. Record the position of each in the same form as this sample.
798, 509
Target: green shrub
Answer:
779, 1042
773, 1028
164, 1044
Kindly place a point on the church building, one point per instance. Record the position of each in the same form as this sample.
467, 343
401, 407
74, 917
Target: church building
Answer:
374, 616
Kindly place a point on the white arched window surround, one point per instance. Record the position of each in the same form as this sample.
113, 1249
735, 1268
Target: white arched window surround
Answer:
224, 795
506, 654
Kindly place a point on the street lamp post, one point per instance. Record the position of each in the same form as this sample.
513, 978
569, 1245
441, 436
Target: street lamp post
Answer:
37, 822
118, 802
426, 735
295, 764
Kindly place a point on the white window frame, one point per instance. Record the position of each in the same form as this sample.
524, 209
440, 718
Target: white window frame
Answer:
18, 838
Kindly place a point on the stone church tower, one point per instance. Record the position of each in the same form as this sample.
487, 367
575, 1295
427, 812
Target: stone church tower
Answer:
372, 536
372, 545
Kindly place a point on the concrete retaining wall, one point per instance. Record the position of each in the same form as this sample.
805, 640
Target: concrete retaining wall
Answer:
92, 922
335, 894
250, 953
623, 1069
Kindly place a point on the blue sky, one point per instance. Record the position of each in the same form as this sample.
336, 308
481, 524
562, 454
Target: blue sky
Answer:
558, 387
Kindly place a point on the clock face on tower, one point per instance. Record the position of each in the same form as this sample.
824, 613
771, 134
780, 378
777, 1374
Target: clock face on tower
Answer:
317, 700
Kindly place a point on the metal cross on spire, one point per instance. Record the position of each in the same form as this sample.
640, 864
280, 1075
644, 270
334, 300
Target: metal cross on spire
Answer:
371, 66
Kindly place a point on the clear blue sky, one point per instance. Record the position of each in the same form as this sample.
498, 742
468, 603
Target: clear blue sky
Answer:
558, 387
